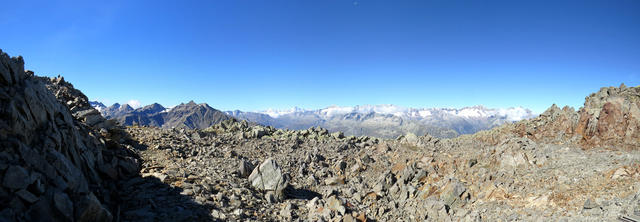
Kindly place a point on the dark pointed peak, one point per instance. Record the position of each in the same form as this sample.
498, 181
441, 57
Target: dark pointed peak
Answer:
96, 103
154, 105
126, 107
205, 105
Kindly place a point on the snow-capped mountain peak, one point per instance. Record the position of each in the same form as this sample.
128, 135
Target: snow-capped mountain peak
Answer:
472, 112
275, 113
390, 121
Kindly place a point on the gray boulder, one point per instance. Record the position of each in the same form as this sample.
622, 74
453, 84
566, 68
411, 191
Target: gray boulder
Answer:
269, 177
452, 194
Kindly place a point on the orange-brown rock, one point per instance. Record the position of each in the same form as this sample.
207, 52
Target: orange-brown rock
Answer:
610, 118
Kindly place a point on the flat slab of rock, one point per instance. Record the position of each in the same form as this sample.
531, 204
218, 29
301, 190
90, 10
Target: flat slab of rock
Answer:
268, 176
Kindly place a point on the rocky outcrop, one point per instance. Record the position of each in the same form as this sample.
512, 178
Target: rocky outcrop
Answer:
58, 160
78, 104
609, 118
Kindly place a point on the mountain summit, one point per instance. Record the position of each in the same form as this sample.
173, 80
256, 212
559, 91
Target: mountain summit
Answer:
189, 115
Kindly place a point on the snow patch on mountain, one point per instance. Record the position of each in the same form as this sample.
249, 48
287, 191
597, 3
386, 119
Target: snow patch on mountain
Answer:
277, 113
511, 114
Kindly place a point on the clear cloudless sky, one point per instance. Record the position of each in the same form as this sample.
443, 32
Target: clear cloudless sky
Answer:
254, 55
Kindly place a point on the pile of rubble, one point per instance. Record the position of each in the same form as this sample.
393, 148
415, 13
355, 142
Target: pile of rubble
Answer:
242, 172
58, 162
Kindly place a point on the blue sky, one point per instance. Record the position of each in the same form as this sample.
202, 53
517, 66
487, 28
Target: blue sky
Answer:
254, 55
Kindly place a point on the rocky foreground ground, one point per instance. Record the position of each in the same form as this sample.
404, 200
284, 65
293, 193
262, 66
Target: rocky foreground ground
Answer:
332, 178
60, 160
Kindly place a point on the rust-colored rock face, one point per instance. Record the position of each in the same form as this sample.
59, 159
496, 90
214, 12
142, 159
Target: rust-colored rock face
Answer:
609, 126
610, 118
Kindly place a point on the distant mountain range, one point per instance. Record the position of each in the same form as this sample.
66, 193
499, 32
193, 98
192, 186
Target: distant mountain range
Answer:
386, 121
389, 121
189, 115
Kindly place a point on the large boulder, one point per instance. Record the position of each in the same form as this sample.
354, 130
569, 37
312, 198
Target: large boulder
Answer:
268, 177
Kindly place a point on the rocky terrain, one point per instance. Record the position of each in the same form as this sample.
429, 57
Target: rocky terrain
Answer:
62, 161
610, 118
314, 175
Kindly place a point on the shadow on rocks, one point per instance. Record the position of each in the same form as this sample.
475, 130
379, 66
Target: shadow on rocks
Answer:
149, 199
294, 193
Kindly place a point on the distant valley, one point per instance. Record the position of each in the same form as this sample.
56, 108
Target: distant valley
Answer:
385, 121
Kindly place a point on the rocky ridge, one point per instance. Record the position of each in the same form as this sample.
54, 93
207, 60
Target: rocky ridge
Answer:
62, 161
114, 111
59, 160
609, 118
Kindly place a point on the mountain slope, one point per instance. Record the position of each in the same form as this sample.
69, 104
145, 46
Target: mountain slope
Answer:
193, 116
97, 105
189, 115
60, 160
114, 110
